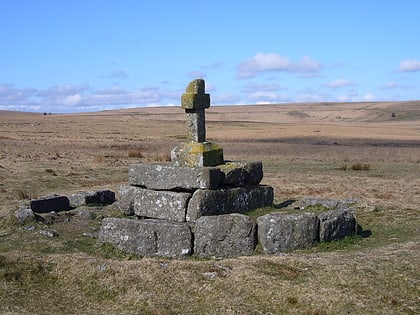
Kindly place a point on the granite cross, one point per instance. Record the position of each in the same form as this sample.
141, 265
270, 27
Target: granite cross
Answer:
195, 101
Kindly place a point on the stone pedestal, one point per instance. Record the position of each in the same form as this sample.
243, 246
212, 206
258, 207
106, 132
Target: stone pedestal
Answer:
171, 195
197, 154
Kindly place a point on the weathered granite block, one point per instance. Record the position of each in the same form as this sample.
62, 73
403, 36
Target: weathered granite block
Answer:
282, 232
50, 203
99, 197
24, 216
253, 172
336, 224
225, 236
165, 205
197, 154
125, 202
241, 173
228, 200
260, 196
148, 237
169, 176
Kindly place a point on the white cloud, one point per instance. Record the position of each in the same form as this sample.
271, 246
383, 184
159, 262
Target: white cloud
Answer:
351, 96
267, 97
225, 99
409, 65
72, 100
250, 88
369, 97
338, 83
62, 90
76, 98
9, 94
263, 62
389, 86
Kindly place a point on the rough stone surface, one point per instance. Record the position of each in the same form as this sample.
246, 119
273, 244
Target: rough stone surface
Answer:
230, 200
165, 205
196, 154
327, 203
24, 216
50, 203
148, 237
227, 235
282, 232
169, 176
253, 172
195, 96
336, 224
195, 101
99, 197
126, 196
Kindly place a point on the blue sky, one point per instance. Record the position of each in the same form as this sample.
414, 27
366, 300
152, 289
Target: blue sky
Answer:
89, 55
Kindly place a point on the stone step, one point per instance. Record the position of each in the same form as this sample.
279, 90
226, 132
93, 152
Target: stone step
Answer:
169, 176
205, 202
148, 237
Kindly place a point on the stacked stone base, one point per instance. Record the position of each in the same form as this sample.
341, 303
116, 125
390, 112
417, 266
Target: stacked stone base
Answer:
175, 211
179, 210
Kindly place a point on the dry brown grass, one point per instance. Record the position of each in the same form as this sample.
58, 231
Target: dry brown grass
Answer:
304, 148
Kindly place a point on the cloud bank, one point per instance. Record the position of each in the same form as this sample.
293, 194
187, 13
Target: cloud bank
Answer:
264, 62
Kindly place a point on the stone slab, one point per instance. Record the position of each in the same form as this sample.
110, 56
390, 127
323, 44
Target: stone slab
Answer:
126, 196
336, 224
50, 203
206, 202
169, 176
223, 236
241, 173
283, 232
148, 237
159, 204
98, 197
195, 154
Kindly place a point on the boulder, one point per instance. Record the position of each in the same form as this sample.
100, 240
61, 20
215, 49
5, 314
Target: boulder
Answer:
100, 197
24, 216
283, 232
165, 205
227, 235
148, 237
50, 203
169, 176
336, 224
206, 202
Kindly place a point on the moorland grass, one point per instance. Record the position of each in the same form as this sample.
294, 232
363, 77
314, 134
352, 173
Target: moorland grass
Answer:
73, 273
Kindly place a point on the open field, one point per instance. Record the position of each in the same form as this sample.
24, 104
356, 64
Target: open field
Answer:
307, 150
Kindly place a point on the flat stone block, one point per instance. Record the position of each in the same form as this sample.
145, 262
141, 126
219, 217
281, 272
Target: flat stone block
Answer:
228, 200
99, 197
240, 173
170, 176
197, 154
165, 205
282, 232
148, 237
50, 203
227, 235
336, 224
125, 202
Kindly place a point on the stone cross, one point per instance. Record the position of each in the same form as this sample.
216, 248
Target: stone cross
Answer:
194, 101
